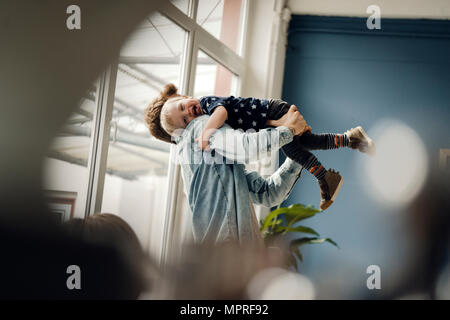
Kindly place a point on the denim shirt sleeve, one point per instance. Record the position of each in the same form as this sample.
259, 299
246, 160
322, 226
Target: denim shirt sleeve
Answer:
245, 147
276, 188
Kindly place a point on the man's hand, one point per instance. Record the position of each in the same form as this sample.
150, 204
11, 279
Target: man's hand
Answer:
308, 129
203, 143
293, 120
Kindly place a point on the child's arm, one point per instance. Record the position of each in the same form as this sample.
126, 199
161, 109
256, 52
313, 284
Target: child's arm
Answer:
216, 120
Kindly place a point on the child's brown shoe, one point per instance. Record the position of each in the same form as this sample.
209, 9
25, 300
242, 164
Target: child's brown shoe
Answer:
329, 188
358, 139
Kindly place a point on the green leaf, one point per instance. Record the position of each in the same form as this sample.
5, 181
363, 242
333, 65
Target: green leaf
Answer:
302, 229
293, 213
322, 240
274, 228
298, 212
299, 242
269, 219
276, 223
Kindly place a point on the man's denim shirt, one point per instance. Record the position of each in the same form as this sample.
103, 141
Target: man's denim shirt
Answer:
218, 187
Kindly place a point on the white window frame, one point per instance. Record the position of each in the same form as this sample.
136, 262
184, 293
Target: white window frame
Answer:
197, 39
98, 153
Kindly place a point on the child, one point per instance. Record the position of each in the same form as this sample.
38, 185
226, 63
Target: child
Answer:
177, 111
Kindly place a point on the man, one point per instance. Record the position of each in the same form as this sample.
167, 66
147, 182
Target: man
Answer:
219, 189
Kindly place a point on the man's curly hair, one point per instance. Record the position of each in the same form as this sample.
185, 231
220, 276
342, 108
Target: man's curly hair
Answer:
153, 113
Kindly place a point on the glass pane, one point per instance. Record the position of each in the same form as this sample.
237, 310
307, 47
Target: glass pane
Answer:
211, 78
156, 38
65, 168
222, 19
183, 5
137, 166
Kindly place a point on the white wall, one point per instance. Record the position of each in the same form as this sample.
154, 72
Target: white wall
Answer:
63, 176
257, 47
414, 9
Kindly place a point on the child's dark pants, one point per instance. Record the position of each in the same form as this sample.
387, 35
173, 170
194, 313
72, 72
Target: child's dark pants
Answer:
298, 149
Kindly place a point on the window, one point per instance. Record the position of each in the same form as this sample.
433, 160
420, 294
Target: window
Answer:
105, 160
183, 5
136, 179
212, 78
65, 168
222, 18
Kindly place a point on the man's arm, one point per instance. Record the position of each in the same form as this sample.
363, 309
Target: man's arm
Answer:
250, 146
245, 147
276, 188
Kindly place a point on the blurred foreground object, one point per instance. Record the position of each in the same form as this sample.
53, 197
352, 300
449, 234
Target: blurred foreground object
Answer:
429, 218
231, 271
46, 68
111, 230
214, 271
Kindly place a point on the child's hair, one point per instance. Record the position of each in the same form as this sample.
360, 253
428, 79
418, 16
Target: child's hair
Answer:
159, 124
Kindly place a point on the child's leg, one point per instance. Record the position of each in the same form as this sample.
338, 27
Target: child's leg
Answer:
323, 141
329, 181
297, 152
355, 138
277, 108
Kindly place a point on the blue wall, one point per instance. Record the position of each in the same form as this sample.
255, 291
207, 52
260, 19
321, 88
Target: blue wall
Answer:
341, 75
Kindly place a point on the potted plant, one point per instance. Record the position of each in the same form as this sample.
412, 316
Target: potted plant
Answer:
283, 221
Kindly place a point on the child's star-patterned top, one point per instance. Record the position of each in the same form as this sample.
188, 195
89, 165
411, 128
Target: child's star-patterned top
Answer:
243, 113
